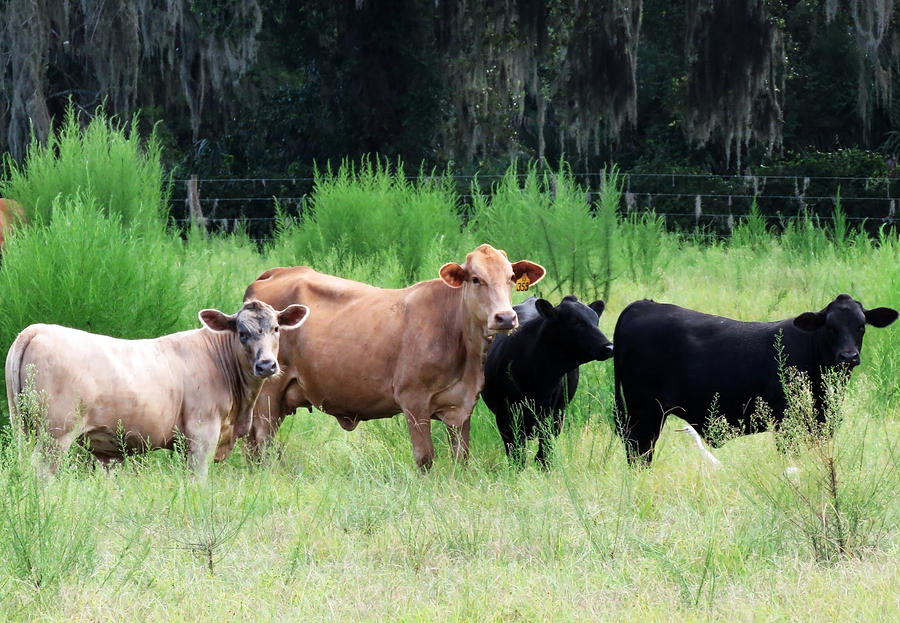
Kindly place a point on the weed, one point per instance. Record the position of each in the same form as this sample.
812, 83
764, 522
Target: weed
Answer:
106, 163
48, 530
209, 527
833, 496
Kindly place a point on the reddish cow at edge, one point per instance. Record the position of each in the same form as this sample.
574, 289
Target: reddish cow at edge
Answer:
669, 359
10, 212
370, 352
134, 395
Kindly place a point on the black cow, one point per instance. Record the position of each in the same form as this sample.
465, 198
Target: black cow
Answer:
524, 371
674, 360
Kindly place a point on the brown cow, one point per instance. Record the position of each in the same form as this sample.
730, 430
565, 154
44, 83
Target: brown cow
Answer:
10, 212
135, 395
374, 353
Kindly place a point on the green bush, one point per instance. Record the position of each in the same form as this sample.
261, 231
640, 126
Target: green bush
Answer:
838, 495
548, 218
360, 212
84, 269
104, 162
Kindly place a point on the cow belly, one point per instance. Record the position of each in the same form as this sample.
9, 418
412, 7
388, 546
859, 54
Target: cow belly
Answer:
105, 390
344, 398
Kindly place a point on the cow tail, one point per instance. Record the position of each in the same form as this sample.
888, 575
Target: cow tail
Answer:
15, 375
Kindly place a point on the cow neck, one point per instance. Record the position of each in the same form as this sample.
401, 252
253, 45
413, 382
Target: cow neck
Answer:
227, 356
474, 339
805, 346
553, 363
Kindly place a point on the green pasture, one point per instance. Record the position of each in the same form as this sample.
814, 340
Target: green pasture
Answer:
338, 525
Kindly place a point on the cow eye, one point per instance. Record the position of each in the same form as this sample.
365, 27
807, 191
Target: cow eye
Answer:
243, 335
276, 328
476, 281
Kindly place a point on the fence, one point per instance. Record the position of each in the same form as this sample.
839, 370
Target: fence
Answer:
700, 204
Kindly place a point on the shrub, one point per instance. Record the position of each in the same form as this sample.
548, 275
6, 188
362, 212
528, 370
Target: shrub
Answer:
83, 269
106, 163
360, 212
549, 219
838, 496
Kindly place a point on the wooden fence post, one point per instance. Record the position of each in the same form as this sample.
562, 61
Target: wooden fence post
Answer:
193, 204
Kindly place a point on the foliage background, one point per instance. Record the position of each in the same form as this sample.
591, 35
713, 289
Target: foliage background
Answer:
340, 525
267, 88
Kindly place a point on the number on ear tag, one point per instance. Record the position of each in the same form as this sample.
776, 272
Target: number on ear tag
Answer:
522, 283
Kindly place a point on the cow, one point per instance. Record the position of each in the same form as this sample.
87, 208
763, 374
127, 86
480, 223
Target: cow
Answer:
122, 396
669, 359
370, 352
531, 374
10, 212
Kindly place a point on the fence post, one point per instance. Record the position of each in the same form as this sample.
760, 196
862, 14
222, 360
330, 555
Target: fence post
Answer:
193, 204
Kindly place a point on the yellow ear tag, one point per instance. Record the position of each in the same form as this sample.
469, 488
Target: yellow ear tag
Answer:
522, 283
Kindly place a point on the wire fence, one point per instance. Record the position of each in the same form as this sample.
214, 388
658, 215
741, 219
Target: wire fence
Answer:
697, 204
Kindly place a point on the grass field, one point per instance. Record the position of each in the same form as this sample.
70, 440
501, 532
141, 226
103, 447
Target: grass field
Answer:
341, 526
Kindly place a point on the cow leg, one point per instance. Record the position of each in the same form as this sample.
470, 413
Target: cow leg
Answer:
549, 429
202, 437
545, 444
639, 430
459, 439
49, 452
511, 427
420, 435
268, 414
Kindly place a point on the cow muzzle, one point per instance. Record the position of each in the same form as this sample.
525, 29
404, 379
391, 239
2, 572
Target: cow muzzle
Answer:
849, 358
605, 352
264, 368
503, 321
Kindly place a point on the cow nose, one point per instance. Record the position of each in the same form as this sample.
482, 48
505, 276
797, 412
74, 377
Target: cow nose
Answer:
265, 367
505, 321
604, 352
849, 357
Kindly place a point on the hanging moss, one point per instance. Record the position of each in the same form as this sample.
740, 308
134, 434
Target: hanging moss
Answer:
878, 52
735, 76
526, 66
122, 52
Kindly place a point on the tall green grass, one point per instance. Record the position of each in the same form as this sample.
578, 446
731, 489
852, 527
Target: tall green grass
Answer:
105, 162
341, 526
84, 269
547, 217
364, 210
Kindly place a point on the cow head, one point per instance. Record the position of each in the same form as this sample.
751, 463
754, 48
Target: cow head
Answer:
256, 327
574, 327
843, 323
487, 279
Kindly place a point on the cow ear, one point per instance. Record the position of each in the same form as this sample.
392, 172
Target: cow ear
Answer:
534, 272
545, 308
453, 274
217, 321
810, 321
293, 316
598, 306
880, 316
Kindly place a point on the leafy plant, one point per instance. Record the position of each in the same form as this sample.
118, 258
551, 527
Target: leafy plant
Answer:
106, 163
363, 210
833, 495
48, 530
547, 217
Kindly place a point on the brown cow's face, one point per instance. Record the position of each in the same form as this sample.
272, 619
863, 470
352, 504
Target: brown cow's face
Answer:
487, 280
256, 326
